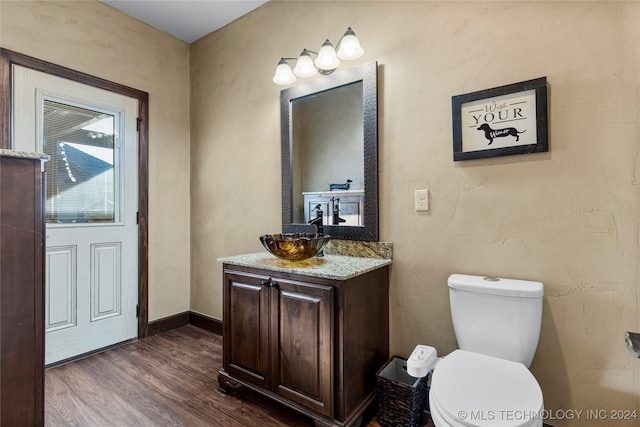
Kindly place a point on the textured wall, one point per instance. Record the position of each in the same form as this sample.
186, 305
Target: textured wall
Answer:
569, 218
91, 37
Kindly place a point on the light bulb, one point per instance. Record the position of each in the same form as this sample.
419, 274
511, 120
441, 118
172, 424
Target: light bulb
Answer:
327, 58
284, 74
349, 46
304, 65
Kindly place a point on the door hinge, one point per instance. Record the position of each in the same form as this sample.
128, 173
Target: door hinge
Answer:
137, 310
138, 123
137, 217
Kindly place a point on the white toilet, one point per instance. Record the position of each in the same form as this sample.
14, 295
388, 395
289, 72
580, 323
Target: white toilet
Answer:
487, 382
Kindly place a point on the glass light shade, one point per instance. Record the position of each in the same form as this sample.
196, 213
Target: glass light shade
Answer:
284, 74
304, 66
327, 58
349, 46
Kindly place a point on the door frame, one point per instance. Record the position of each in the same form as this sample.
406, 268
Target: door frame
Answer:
9, 58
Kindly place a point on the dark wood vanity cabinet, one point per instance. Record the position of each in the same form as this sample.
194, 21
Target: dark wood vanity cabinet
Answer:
21, 292
281, 337
311, 343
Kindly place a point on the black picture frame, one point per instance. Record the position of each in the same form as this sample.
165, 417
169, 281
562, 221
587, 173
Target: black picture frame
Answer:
494, 122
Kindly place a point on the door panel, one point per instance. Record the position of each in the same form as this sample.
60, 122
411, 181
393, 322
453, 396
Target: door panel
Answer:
246, 350
60, 307
91, 207
106, 296
303, 340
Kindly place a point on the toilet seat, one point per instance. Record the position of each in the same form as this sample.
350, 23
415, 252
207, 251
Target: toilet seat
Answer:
474, 390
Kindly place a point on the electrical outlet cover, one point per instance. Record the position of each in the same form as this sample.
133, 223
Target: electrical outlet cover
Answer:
422, 200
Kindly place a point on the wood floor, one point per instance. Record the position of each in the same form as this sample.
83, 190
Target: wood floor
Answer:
169, 379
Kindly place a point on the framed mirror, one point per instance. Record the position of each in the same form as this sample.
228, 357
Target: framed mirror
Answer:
329, 130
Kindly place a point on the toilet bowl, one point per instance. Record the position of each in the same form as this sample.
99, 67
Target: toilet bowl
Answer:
487, 382
474, 390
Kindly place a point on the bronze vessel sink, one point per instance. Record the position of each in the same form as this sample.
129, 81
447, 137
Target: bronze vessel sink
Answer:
294, 246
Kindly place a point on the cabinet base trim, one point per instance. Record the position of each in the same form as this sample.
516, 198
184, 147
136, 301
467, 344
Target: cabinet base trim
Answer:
366, 410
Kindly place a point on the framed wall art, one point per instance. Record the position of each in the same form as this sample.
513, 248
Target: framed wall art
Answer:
505, 120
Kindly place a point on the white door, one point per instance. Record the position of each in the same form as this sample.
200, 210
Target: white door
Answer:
91, 208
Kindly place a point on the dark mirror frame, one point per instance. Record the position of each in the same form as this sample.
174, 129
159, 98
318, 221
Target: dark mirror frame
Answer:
368, 75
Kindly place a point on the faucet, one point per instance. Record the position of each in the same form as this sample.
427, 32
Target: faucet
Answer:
318, 222
336, 211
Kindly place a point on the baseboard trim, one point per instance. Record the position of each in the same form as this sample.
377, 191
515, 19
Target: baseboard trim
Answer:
186, 318
168, 323
205, 322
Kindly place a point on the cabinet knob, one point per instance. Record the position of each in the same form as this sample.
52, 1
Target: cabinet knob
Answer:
267, 282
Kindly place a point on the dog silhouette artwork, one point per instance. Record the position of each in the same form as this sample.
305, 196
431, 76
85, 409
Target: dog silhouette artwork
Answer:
490, 134
344, 186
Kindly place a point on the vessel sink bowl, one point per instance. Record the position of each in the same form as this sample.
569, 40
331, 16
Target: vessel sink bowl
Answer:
294, 246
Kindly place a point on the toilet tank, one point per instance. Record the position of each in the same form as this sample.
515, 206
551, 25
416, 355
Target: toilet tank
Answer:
497, 317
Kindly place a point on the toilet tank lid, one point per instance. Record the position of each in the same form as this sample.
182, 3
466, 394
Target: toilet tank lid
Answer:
497, 286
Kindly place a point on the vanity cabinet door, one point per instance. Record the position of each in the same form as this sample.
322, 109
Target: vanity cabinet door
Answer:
302, 343
246, 327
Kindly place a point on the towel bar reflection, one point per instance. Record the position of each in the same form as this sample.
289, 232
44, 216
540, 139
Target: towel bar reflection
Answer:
632, 341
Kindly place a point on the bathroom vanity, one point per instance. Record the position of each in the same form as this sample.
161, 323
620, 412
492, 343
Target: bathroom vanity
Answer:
309, 334
348, 203
22, 268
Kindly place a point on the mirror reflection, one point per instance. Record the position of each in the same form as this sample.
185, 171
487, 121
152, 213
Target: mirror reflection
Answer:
329, 155
328, 150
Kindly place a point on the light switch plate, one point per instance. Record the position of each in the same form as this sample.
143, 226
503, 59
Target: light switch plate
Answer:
422, 200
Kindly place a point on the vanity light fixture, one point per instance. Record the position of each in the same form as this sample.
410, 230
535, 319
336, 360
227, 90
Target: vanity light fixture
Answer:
326, 62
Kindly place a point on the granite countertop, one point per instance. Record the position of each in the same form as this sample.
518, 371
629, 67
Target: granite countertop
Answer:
23, 154
336, 267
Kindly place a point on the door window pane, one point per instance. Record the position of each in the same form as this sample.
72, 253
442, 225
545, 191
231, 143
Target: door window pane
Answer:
81, 172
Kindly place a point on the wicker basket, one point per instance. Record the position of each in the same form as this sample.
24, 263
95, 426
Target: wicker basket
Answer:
401, 397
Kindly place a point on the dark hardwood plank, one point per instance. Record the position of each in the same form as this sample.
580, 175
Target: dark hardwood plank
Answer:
169, 379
